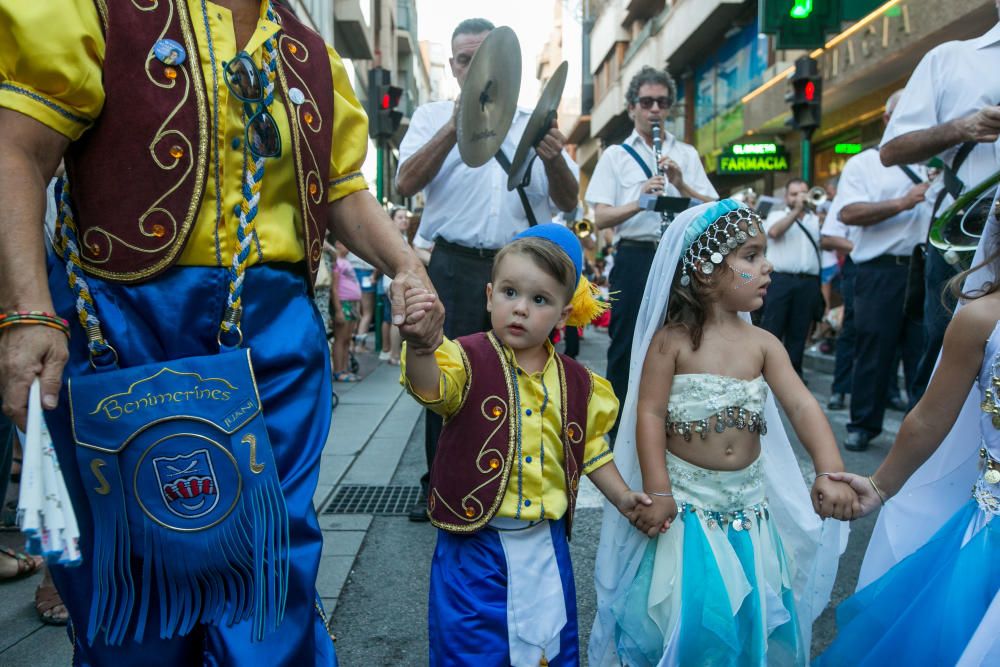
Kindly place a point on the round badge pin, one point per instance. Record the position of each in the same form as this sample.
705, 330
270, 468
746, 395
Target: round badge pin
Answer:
169, 52
296, 96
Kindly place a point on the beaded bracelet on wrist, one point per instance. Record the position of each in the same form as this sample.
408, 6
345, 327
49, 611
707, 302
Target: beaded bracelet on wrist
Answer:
34, 318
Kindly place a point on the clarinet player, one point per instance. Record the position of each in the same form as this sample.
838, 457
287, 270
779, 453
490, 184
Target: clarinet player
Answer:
623, 174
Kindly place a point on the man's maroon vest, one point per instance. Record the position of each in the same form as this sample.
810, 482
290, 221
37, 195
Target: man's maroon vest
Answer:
138, 175
476, 450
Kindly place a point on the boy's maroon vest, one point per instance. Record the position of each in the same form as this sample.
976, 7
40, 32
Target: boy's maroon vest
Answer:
476, 450
138, 175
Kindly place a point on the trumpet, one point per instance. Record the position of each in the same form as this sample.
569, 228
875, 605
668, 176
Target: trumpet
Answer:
583, 228
816, 197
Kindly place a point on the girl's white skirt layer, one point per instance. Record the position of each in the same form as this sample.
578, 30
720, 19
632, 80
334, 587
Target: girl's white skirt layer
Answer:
715, 589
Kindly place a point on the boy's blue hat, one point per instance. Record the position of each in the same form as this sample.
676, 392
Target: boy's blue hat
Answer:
562, 237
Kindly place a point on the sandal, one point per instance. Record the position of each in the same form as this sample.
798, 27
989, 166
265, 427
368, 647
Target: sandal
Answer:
393, 362
50, 607
27, 565
345, 376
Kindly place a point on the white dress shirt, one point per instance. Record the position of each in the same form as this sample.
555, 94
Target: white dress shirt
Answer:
866, 180
834, 227
793, 252
472, 207
618, 178
953, 80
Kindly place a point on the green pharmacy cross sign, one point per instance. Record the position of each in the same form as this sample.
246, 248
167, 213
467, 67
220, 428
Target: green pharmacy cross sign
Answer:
805, 24
801, 9
753, 159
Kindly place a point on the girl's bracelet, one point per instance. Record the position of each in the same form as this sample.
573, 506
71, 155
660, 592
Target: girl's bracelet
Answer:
823, 474
660, 494
878, 491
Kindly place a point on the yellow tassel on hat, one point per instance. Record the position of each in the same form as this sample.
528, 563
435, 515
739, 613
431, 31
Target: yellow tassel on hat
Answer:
586, 306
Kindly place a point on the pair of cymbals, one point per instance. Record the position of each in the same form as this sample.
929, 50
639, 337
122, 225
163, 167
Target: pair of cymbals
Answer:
488, 103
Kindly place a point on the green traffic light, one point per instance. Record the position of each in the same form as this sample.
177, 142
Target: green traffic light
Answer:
801, 9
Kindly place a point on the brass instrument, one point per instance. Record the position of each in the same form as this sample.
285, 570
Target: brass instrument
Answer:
957, 231
583, 228
816, 197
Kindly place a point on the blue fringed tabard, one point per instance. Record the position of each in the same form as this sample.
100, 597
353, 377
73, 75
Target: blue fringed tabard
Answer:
180, 475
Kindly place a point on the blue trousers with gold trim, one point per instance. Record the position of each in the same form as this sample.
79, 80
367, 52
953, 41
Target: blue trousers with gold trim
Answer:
177, 315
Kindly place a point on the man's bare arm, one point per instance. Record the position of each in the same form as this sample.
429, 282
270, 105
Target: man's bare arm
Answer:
564, 189
421, 167
778, 229
919, 146
866, 214
30, 155
362, 225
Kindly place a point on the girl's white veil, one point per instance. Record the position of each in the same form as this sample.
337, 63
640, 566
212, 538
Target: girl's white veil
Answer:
812, 545
939, 487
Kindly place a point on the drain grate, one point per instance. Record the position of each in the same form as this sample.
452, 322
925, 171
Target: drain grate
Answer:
365, 499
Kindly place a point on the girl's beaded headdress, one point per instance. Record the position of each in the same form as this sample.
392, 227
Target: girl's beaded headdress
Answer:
722, 228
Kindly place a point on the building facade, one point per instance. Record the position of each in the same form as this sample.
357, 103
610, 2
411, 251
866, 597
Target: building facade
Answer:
732, 82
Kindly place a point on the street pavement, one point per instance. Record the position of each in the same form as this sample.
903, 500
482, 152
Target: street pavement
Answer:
374, 572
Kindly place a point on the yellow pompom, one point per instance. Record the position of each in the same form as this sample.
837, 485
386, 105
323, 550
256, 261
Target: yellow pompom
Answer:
586, 306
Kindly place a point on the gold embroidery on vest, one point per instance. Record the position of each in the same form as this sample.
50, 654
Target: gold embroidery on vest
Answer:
310, 184
192, 79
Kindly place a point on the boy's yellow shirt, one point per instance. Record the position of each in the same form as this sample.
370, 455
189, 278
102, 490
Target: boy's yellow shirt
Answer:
537, 485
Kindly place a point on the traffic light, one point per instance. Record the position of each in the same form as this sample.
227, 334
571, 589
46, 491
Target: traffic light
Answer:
806, 95
383, 98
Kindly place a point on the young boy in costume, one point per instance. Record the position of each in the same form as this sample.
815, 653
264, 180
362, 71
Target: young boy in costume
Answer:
522, 423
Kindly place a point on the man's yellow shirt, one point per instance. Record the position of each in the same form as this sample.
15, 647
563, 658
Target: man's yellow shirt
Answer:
51, 69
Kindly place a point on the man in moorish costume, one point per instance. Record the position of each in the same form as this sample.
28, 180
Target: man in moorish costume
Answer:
209, 146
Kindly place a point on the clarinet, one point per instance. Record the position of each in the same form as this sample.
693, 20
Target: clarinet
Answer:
665, 217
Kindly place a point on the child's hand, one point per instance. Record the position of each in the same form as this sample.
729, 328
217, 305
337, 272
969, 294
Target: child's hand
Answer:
630, 501
832, 498
868, 500
417, 300
656, 517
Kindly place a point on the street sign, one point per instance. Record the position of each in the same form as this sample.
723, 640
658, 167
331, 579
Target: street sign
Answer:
847, 149
799, 24
753, 159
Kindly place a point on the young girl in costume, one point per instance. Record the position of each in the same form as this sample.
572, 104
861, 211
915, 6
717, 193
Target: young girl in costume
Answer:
522, 423
929, 591
739, 564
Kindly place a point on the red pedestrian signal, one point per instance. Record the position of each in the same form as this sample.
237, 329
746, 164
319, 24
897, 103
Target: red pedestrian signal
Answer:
805, 95
383, 98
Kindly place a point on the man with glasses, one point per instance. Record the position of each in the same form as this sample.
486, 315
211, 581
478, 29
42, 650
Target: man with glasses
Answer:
623, 174
468, 213
200, 189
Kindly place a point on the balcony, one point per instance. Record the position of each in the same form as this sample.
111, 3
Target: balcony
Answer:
608, 112
607, 32
642, 9
352, 35
406, 28
692, 29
